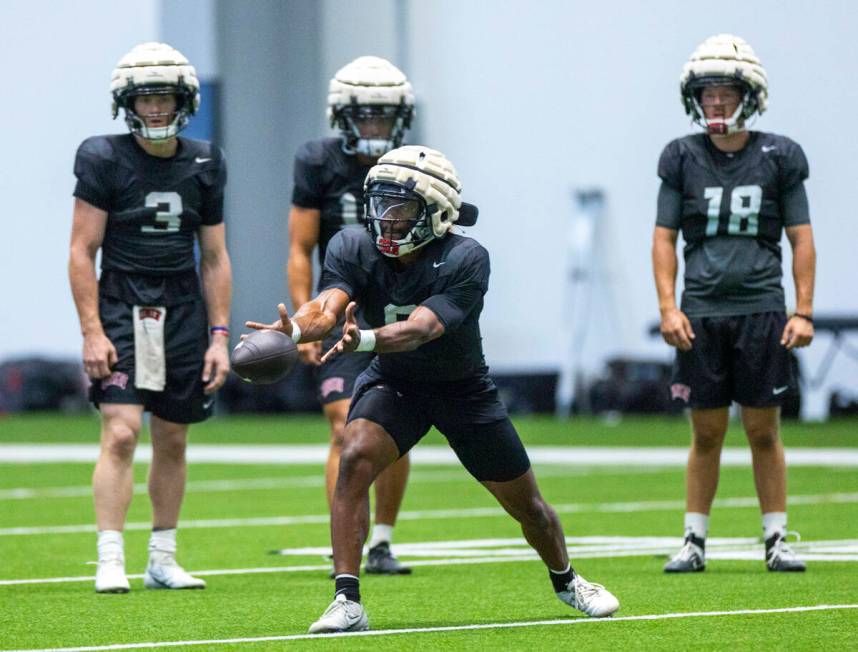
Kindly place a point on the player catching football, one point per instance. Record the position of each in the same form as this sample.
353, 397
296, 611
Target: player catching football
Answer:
372, 104
421, 291
144, 198
732, 192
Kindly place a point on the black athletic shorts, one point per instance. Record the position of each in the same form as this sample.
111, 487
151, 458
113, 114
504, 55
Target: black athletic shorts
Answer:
185, 342
474, 421
737, 358
336, 379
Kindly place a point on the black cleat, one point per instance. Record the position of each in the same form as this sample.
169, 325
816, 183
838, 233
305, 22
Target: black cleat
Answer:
690, 559
780, 557
383, 562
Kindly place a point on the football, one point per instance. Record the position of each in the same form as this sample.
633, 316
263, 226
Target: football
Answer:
264, 357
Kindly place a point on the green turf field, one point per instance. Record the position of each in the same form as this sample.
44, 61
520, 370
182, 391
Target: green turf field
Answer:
485, 590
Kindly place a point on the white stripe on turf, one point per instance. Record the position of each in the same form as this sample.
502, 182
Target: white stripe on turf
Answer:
312, 481
487, 551
439, 455
441, 514
455, 628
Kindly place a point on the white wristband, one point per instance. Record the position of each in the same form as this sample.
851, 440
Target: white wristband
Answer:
367, 340
296, 331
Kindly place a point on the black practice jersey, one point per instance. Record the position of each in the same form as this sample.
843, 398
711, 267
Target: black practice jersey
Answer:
450, 278
155, 206
731, 209
331, 181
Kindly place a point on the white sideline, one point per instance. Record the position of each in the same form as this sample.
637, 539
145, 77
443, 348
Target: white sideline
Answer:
439, 514
438, 455
451, 628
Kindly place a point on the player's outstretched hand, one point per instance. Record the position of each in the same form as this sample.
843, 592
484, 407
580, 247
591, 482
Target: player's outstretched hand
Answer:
284, 324
798, 332
676, 329
351, 336
99, 355
215, 364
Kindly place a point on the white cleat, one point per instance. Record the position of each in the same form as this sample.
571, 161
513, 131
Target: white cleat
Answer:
342, 615
167, 574
110, 576
593, 599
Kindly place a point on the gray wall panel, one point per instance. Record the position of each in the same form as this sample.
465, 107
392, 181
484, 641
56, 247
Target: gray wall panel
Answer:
272, 87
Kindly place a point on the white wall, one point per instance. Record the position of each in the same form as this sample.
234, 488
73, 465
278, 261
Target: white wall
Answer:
529, 99
58, 56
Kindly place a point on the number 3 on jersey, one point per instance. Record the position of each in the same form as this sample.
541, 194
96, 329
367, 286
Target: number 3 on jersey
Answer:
168, 213
745, 202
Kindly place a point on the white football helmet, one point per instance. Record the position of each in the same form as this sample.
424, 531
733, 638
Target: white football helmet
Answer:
370, 88
412, 196
150, 69
724, 59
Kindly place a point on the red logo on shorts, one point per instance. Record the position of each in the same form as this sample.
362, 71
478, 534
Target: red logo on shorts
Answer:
680, 391
331, 385
150, 313
117, 378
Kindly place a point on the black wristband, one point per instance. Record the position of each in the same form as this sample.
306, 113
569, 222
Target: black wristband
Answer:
805, 317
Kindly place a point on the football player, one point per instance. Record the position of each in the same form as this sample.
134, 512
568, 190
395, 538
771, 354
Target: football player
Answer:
421, 290
732, 192
154, 339
371, 102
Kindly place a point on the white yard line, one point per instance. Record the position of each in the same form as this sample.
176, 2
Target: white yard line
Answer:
438, 455
489, 551
438, 514
455, 628
316, 480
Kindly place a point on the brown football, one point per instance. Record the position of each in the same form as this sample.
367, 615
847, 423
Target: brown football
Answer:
264, 357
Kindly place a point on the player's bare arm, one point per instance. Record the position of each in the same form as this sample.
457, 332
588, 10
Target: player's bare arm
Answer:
217, 289
315, 318
88, 225
675, 327
799, 329
303, 238
422, 326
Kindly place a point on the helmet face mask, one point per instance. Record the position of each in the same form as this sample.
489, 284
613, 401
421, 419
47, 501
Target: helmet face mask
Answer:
372, 129
724, 60
728, 123
371, 102
155, 69
172, 121
397, 218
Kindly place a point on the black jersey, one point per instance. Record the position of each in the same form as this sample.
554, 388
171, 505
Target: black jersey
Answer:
450, 278
731, 209
331, 181
155, 206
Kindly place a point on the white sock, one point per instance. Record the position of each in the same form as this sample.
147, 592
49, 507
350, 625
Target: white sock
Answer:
696, 524
110, 545
381, 533
773, 523
162, 543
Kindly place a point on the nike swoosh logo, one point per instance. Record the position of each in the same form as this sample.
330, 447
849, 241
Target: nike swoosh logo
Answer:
768, 148
780, 390
437, 265
202, 160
